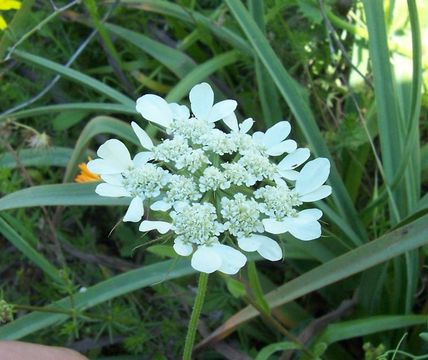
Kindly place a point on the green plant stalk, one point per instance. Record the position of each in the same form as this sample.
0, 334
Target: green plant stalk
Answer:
363, 33
73, 313
194, 319
276, 325
91, 6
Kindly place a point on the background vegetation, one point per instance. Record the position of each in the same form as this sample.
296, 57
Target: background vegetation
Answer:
351, 77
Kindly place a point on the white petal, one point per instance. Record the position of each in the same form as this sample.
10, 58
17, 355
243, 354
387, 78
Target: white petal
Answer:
312, 176
274, 227
144, 138
277, 133
104, 167
258, 137
303, 230
162, 226
182, 249
179, 205
221, 110
270, 249
154, 109
135, 210
179, 112
142, 158
116, 152
289, 174
160, 206
295, 159
206, 259
246, 125
322, 192
286, 146
115, 179
232, 122
109, 190
310, 214
232, 260
250, 243
201, 99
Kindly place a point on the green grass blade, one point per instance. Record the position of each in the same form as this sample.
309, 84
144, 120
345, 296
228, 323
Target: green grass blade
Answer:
91, 107
200, 73
268, 351
58, 194
362, 327
97, 125
191, 17
76, 76
54, 156
28, 251
393, 244
174, 60
104, 291
299, 107
389, 122
268, 94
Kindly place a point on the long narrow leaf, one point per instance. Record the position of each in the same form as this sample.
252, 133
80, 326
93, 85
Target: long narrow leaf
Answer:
201, 72
361, 327
56, 195
76, 76
54, 156
176, 61
267, 91
193, 18
106, 290
28, 251
93, 107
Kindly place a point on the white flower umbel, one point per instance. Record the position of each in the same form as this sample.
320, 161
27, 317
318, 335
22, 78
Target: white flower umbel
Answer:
213, 179
309, 187
242, 216
196, 227
215, 193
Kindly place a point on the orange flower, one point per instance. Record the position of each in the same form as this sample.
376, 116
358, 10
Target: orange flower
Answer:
86, 175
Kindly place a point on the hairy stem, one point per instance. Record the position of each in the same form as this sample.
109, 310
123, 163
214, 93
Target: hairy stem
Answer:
194, 319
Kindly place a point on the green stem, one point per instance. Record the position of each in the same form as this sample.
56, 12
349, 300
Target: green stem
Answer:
194, 319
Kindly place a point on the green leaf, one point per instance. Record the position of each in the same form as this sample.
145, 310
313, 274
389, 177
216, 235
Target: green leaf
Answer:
194, 18
67, 119
104, 291
268, 94
175, 60
163, 251
389, 122
393, 244
235, 287
28, 251
54, 156
201, 72
267, 351
292, 94
361, 327
58, 194
90, 107
76, 76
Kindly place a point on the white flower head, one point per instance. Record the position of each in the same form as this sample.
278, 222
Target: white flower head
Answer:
215, 193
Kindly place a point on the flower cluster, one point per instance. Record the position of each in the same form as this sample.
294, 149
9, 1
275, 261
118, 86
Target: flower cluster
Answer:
217, 191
